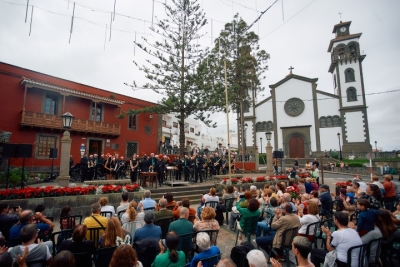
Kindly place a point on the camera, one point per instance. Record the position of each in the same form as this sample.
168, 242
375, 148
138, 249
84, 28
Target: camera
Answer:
15, 208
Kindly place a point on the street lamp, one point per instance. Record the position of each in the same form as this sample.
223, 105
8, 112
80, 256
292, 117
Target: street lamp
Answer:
340, 147
268, 150
244, 143
376, 148
261, 146
63, 179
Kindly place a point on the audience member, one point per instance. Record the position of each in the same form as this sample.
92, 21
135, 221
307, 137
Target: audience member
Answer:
29, 234
249, 212
362, 185
374, 196
254, 191
256, 258
95, 220
390, 192
284, 219
210, 196
314, 184
366, 217
375, 180
243, 204
170, 200
105, 207
186, 204
229, 193
171, 257
125, 256
182, 225
225, 262
301, 247
308, 185
112, 232
207, 222
9, 214
341, 240
63, 259
66, 223
26, 217
287, 198
78, 243
162, 212
207, 251
149, 230
263, 227
301, 186
281, 189
306, 220
147, 202
124, 204
326, 199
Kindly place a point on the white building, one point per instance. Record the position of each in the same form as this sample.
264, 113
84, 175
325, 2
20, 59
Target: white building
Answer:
302, 118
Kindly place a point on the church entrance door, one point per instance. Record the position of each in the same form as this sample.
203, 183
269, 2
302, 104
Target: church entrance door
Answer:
296, 147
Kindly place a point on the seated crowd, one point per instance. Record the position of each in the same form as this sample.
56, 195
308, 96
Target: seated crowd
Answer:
171, 233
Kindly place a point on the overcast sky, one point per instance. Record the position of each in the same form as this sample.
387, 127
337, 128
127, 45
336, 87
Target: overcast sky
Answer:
296, 35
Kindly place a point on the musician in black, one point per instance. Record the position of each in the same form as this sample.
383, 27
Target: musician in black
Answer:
134, 164
199, 168
205, 166
186, 165
144, 164
160, 168
178, 163
84, 168
210, 166
100, 164
225, 165
218, 163
121, 169
110, 166
96, 165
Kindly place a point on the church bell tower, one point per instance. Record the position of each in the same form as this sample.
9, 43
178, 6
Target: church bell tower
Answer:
348, 82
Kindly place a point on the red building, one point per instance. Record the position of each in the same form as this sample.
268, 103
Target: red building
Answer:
32, 104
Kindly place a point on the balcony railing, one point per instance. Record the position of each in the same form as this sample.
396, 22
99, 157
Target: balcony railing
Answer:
42, 120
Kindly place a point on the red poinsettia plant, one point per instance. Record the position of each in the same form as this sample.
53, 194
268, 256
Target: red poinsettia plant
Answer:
260, 179
281, 177
51, 191
343, 184
225, 180
234, 180
246, 180
292, 191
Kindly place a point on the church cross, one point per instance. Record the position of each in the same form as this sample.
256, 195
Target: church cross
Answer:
340, 15
291, 68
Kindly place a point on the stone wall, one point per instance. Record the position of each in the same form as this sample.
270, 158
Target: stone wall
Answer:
80, 205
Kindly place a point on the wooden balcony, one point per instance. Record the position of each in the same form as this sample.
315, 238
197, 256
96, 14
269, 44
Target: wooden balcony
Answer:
42, 120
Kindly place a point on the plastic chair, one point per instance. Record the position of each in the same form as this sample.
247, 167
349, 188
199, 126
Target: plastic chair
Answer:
228, 204
102, 256
107, 214
213, 238
286, 244
164, 224
361, 255
212, 204
120, 213
186, 245
83, 259
321, 235
60, 236
249, 228
94, 234
71, 221
153, 209
374, 251
313, 232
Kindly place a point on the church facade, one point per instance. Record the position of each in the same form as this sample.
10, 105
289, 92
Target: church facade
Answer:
303, 119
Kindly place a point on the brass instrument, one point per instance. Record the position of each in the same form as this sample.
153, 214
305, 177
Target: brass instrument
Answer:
217, 162
205, 164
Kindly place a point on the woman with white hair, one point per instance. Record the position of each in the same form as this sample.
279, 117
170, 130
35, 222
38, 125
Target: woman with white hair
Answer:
256, 258
207, 251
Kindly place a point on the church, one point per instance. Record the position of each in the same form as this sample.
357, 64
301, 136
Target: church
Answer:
302, 118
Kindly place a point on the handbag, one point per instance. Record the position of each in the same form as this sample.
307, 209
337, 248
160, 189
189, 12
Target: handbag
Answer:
234, 210
330, 259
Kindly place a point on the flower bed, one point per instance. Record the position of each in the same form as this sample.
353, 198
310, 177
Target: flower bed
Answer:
246, 180
55, 191
304, 175
343, 184
281, 177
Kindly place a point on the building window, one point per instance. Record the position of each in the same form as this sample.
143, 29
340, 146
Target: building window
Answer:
329, 122
351, 94
164, 123
191, 129
349, 75
270, 126
175, 124
353, 49
44, 144
341, 52
96, 112
114, 146
336, 121
259, 127
51, 104
322, 122
131, 148
246, 106
132, 122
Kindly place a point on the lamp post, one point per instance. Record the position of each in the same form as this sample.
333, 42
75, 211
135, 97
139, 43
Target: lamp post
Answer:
63, 179
261, 146
376, 148
268, 149
340, 147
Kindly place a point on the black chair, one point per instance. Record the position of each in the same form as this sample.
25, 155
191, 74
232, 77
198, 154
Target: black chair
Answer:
102, 256
146, 209
212, 204
37, 263
286, 244
164, 224
210, 261
313, 232
5, 227
107, 214
60, 236
213, 238
147, 250
83, 259
374, 251
94, 234
328, 223
14, 242
70, 221
120, 213
362, 261
186, 245
228, 204
249, 228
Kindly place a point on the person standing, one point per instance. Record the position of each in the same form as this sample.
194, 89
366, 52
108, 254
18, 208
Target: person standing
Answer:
90, 167
178, 164
96, 165
296, 163
134, 163
217, 164
160, 169
84, 167
186, 165
199, 168
275, 162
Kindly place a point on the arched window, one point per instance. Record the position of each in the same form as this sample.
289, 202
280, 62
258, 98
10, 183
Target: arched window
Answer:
353, 49
336, 121
329, 122
349, 75
264, 126
351, 94
322, 122
246, 106
341, 52
259, 127
270, 126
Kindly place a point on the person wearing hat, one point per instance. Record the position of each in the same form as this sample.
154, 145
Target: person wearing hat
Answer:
149, 230
326, 199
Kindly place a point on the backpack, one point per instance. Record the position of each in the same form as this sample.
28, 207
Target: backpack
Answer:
238, 254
